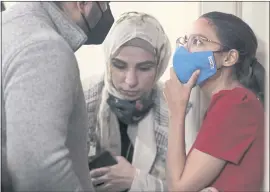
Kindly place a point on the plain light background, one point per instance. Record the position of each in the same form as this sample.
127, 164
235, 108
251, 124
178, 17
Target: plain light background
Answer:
175, 24
176, 18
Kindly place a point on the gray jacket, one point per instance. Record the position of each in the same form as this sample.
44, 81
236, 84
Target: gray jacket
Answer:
46, 120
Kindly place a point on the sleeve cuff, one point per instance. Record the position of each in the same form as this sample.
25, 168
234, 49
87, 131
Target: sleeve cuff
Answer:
145, 182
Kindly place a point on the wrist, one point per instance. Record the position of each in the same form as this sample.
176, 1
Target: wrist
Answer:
179, 107
134, 183
177, 115
133, 174
177, 123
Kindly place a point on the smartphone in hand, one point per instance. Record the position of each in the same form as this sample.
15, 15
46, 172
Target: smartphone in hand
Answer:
104, 159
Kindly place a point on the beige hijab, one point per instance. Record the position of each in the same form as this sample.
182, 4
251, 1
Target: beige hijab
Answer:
130, 29
127, 30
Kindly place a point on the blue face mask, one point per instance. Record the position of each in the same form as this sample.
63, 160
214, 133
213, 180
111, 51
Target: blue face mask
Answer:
185, 63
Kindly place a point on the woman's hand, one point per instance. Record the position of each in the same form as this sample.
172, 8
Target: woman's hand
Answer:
114, 178
177, 94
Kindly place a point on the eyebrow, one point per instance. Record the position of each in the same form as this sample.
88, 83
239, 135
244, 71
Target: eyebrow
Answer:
147, 62
140, 63
198, 34
118, 60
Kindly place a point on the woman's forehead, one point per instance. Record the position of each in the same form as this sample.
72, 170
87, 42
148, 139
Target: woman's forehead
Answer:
205, 28
141, 43
131, 54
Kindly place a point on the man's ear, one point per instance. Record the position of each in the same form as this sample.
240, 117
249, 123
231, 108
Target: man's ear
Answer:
231, 58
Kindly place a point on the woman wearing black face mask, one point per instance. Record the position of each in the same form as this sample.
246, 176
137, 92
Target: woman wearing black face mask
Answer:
228, 153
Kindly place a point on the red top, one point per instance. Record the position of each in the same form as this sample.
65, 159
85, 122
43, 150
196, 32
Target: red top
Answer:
233, 130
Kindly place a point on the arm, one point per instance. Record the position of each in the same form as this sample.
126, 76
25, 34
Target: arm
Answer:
223, 138
143, 181
39, 93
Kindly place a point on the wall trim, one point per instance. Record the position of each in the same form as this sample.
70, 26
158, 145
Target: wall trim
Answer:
228, 7
238, 9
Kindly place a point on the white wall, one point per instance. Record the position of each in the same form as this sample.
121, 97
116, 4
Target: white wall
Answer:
257, 15
174, 16
259, 22
8, 4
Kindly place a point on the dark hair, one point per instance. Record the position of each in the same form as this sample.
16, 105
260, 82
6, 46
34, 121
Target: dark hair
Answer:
234, 33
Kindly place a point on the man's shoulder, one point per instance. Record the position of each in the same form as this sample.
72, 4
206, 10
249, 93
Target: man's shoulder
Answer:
45, 44
32, 28
38, 37
45, 48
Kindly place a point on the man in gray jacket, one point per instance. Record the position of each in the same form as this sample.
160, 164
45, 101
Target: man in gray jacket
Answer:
43, 106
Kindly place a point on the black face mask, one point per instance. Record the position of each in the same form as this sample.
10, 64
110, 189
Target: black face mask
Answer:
130, 112
98, 34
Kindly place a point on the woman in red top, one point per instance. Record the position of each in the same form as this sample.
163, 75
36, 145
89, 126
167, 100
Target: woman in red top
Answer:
228, 153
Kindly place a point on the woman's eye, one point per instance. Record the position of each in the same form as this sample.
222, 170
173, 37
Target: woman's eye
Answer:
196, 41
145, 68
119, 65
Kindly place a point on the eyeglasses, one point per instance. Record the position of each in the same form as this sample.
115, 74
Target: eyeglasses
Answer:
196, 41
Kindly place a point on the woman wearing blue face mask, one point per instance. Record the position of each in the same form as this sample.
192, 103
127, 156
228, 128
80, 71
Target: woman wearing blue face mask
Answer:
228, 154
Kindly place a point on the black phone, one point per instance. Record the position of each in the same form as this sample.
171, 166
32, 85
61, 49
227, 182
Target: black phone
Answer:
104, 159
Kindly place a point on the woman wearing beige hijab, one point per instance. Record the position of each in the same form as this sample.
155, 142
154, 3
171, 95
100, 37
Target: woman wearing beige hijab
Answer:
126, 108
